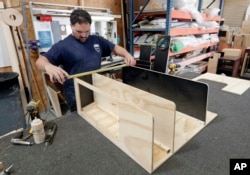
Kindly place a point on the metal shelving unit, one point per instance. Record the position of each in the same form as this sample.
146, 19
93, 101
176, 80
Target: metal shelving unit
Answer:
132, 20
169, 14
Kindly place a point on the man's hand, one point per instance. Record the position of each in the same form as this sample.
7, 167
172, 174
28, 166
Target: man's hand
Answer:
129, 60
56, 74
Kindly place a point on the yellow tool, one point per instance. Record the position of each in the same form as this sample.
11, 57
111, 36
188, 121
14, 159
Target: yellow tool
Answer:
32, 108
173, 68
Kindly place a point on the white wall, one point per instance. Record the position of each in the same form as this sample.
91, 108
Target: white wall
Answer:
234, 12
4, 57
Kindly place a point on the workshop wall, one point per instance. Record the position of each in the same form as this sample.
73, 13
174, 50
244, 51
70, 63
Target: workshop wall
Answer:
38, 89
239, 11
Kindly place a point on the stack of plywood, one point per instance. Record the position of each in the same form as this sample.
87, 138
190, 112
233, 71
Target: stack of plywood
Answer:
243, 39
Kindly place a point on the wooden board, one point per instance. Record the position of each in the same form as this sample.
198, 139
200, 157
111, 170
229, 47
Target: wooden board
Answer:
213, 63
233, 85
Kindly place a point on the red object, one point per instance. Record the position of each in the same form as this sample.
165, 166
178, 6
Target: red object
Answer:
46, 18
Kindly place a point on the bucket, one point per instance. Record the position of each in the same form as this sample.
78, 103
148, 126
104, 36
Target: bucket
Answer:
11, 110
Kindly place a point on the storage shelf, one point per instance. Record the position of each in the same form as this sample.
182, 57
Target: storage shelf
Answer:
179, 14
192, 59
188, 49
179, 31
175, 15
149, 30
191, 31
182, 15
196, 58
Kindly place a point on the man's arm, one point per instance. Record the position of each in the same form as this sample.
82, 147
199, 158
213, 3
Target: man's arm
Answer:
129, 59
55, 73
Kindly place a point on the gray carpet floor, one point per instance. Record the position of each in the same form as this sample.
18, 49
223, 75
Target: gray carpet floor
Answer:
79, 149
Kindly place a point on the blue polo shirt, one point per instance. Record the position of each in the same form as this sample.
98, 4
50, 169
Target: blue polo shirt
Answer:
77, 57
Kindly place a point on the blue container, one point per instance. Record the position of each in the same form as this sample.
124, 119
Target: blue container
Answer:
11, 110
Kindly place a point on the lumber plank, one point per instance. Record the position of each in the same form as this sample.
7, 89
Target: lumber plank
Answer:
20, 56
212, 63
36, 89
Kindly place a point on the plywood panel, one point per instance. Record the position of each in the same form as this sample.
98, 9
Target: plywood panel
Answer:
233, 85
147, 101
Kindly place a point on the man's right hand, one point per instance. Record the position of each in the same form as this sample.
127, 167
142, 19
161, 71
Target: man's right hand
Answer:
56, 74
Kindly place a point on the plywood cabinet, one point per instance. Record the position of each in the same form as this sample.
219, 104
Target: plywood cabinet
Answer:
146, 127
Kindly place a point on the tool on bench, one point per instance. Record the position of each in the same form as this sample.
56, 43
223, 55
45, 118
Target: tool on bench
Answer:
51, 134
6, 171
32, 108
20, 140
173, 68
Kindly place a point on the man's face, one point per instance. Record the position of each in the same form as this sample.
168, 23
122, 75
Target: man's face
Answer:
81, 31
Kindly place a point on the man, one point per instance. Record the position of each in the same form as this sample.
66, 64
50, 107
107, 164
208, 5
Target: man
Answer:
77, 53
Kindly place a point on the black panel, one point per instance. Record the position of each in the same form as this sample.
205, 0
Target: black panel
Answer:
189, 96
144, 60
145, 52
161, 54
86, 95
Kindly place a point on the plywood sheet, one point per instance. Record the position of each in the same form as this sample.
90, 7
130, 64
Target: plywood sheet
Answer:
233, 85
213, 63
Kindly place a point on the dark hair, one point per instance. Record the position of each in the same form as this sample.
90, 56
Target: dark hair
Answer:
80, 16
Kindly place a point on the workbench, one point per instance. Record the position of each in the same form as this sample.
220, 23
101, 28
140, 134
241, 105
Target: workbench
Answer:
78, 148
229, 63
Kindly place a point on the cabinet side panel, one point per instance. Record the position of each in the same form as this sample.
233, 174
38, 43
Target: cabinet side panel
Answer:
189, 96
